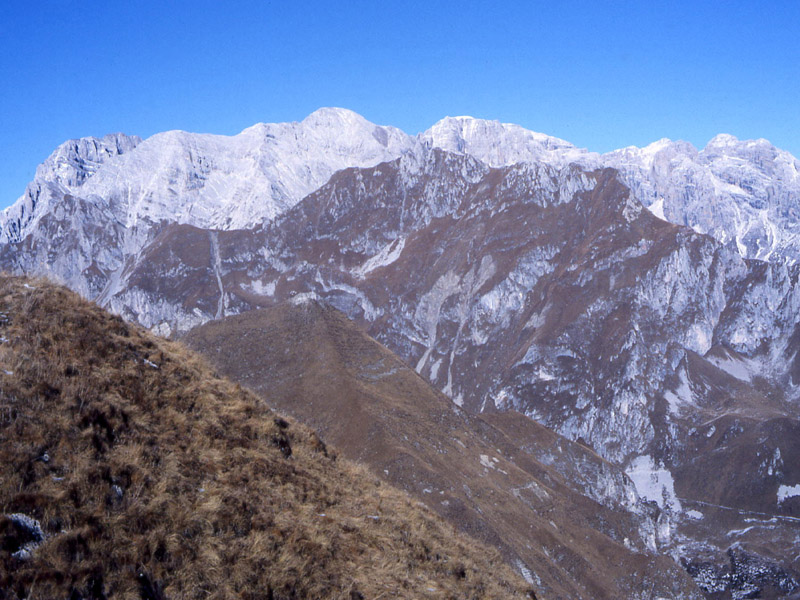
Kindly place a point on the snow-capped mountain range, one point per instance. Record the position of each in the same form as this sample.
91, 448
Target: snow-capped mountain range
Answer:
211, 181
665, 338
744, 191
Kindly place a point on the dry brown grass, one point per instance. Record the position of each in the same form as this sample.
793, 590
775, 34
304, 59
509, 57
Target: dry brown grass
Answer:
152, 478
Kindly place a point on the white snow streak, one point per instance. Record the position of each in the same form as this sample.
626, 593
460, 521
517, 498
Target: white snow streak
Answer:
388, 254
212, 236
785, 492
653, 482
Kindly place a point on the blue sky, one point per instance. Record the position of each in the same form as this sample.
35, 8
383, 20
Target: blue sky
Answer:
600, 74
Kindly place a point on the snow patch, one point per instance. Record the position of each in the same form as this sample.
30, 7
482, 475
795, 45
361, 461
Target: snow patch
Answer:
435, 369
785, 492
680, 397
501, 399
732, 366
262, 289
544, 375
657, 208
304, 299
654, 482
388, 254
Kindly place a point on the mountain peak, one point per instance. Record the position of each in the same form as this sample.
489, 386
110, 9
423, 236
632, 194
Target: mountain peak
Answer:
723, 139
460, 120
339, 119
646, 155
729, 145
498, 144
334, 112
76, 160
471, 126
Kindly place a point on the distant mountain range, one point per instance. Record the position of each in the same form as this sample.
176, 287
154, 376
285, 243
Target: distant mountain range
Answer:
642, 302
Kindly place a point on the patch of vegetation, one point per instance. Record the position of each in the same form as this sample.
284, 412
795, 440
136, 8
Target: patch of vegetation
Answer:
128, 470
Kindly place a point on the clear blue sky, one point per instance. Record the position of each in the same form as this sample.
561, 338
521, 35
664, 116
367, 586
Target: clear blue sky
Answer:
600, 74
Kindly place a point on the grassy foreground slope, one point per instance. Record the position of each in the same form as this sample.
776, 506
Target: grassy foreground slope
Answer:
128, 470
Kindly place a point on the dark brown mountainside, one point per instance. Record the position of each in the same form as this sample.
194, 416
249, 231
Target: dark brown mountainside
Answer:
128, 471
561, 514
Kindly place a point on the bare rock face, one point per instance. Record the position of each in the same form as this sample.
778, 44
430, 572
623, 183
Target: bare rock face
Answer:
511, 270
500, 144
740, 192
63, 173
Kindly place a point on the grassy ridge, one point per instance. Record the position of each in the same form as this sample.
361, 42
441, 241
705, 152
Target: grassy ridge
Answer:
152, 478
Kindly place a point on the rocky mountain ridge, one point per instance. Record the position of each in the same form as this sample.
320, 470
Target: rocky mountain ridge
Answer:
738, 191
642, 338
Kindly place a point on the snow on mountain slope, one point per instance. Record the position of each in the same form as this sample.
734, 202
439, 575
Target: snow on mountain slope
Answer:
64, 171
745, 192
209, 181
501, 144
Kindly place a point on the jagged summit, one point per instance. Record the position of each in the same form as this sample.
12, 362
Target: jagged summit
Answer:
207, 180
69, 166
724, 139
647, 154
740, 192
74, 161
745, 192
729, 141
336, 118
